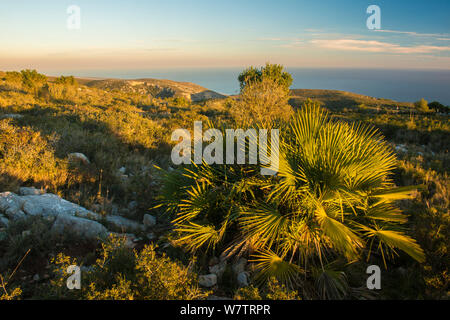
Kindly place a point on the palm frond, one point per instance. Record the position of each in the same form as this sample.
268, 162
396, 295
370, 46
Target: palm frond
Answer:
195, 236
395, 239
263, 222
270, 265
342, 237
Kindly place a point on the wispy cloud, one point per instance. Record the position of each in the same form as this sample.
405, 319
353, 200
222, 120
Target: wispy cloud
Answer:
438, 36
376, 46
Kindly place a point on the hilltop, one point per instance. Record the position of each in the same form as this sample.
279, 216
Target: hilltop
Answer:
158, 88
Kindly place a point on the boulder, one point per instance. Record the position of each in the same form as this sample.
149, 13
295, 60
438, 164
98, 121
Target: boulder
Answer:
78, 157
149, 220
239, 266
123, 224
132, 205
151, 236
208, 280
52, 205
82, 227
11, 116
15, 213
219, 268
4, 222
242, 279
10, 200
30, 191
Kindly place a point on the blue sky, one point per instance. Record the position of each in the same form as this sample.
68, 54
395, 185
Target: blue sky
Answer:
175, 33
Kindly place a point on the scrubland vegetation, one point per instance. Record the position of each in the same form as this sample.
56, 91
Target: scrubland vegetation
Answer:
362, 181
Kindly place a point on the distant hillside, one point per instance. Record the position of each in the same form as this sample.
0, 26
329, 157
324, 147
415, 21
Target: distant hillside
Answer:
156, 88
335, 99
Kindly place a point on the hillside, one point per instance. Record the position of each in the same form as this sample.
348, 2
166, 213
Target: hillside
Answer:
336, 99
155, 87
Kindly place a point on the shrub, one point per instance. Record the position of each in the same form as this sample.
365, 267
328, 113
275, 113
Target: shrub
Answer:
272, 291
262, 102
123, 274
273, 72
27, 156
422, 105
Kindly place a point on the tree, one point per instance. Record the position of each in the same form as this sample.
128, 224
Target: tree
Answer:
439, 107
422, 105
270, 71
262, 102
32, 81
68, 81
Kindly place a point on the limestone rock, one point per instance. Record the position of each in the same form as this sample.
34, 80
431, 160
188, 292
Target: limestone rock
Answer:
4, 222
123, 224
208, 280
132, 205
10, 200
30, 191
242, 279
149, 220
239, 266
11, 116
78, 157
15, 213
82, 227
219, 268
52, 205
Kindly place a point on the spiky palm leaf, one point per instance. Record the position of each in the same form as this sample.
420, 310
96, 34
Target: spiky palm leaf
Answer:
271, 265
332, 197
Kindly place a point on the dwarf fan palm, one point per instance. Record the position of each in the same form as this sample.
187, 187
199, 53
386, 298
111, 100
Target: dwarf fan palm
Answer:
332, 198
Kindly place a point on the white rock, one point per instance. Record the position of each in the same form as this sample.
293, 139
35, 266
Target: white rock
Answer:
11, 116
30, 191
15, 213
242, 279
122, 170
4, 222
52, 205
123, 224
10, 200
77, 156
151, 236
149, 220
401, 148
132, 205
82, 227
208, 280
218, 269
239, 266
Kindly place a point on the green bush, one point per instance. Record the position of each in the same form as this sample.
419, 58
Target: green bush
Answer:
123, 274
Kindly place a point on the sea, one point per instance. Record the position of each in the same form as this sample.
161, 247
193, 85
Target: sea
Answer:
401, 85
